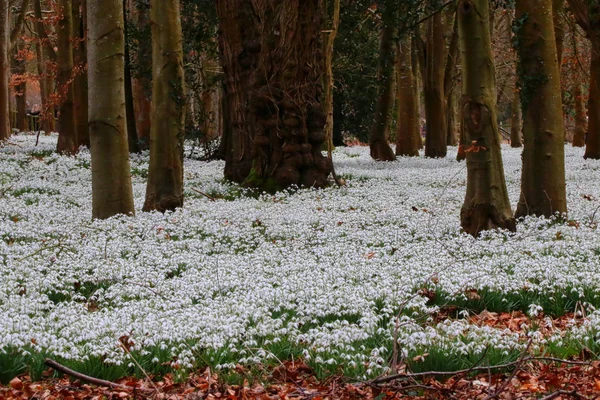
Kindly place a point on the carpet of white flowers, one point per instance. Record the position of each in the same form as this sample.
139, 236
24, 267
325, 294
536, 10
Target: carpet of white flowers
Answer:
335, 275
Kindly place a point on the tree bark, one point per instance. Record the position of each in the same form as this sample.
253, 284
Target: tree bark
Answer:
516, 119
142, 85
44, 52
486, 203
4, 70
132, 137
450, 83
111, 179
19, 69
543, 190
433, 82
80, 85
273, 119
67, 137
378, 137
328, 81
407, 130
580, 120
558, 20
164, 190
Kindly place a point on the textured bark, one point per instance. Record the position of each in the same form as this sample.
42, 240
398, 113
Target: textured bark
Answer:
80, 85
273, 118
486, 203
408, 136
580, 120
328, 81
433, 82
4, 70
378, 137
450, 83
543, 177
44, 52
67, 137
132, 137
516, 119
111, 179
164, 190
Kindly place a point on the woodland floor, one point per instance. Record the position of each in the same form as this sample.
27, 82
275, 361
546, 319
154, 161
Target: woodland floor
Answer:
304, 294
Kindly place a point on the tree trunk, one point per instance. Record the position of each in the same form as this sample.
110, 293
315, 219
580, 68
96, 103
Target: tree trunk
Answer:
580, 120
433, 82
486, 203
164, 190
44, 53
21, 88
407, 129
111, 179
132, 137
4, 70
378, 138
414, 61
516, 119
142, 85
558, 20
80, 85
67, 138
543, 177
328, 81
272, 89
450, 83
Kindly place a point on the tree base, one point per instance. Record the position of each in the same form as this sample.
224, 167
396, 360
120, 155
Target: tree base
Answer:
483, 217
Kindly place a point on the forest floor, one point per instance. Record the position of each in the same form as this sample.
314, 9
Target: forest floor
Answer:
303, 294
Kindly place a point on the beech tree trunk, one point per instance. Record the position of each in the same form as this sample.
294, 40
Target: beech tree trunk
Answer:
543, 190
44, 53
21, 88
4, 70
408, 136
580, 120
132, 137
80, 85
433, 82
516, 119
164, 190
450, 83
142, 85
328, 81
273, 119
67, 137
587, 15
486, 203
111, 179
378, 137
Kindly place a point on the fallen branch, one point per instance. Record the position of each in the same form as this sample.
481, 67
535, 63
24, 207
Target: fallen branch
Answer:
507, 382
559, 393
99, 382
394, 377
204, 194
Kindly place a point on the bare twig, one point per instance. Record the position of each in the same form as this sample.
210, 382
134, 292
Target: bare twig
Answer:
573, 393
514, 373
204, 194
100, 382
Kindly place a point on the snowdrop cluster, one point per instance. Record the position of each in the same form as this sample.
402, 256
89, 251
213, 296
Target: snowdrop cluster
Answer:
326, 270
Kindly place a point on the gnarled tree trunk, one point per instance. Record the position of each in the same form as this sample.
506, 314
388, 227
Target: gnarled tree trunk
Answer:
164, 190
111, 179
378, 137
486, 203
543, 177
273, 119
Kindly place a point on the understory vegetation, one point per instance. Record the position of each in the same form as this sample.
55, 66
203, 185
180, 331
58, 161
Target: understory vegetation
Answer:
352, 280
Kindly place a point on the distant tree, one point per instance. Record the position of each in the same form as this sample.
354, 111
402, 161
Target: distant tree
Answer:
273, 117
111, 179
408, 136
164, 190
587, 15
4, 70
543, 176
80, 79
45, 55
67, 138
378, 138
